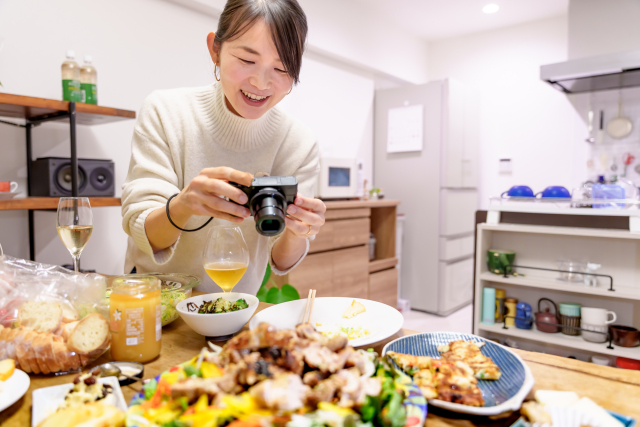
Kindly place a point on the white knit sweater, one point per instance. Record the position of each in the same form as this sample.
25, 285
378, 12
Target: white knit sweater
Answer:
179, 132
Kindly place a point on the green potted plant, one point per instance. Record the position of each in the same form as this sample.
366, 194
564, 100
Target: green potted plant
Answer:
274, 294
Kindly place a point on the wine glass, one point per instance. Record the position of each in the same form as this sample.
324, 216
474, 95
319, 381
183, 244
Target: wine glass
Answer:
225, 255
74, 225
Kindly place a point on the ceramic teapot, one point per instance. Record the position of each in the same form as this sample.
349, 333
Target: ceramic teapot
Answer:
547, 317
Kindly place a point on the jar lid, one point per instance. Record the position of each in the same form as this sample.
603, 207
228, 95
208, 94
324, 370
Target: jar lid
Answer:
514, 300
134, 285
501, 293
625, 363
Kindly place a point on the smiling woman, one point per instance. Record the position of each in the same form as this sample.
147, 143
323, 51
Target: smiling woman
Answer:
189, 143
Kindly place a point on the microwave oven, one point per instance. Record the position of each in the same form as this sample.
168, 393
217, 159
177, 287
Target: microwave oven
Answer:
338, 178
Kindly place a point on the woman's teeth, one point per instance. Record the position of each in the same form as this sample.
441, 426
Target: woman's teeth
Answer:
253, 97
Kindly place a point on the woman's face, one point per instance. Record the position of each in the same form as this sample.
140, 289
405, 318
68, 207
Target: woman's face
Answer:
252, 76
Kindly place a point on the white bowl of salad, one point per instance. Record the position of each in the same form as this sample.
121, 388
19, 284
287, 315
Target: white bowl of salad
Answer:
176, 287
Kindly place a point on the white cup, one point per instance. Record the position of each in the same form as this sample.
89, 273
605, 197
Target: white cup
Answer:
597, 316
6, 186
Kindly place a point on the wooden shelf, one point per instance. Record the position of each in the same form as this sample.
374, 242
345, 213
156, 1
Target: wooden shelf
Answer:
557, 285
350, 204
562, 231
28, 107
562, 340
52, 203
382, 264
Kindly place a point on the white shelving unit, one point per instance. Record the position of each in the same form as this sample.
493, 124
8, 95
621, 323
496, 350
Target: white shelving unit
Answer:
541, 246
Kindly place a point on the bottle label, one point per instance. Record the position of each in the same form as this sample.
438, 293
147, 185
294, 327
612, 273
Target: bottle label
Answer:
90, 93
71, 90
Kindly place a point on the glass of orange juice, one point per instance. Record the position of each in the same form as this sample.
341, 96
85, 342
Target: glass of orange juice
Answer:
225, 255
135, 319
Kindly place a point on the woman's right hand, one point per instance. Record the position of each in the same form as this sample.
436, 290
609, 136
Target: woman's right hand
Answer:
204, 195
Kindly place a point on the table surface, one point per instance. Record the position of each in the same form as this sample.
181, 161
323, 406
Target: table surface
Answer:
615, 389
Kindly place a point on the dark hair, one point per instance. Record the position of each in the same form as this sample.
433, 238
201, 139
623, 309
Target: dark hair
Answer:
285, 18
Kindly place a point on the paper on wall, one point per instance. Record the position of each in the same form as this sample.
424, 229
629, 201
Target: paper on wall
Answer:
404, 129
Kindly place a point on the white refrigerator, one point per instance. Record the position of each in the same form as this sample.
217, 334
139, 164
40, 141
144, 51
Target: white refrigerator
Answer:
437, 188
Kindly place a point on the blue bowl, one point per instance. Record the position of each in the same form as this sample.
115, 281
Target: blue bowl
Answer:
555, 192
518, 191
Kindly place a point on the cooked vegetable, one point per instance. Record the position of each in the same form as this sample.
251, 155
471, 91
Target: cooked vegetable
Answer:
220, 305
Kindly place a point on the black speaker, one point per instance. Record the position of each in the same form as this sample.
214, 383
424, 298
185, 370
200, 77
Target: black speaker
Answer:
51, 177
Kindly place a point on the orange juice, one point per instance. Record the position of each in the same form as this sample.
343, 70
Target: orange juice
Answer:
136, 319
226, 274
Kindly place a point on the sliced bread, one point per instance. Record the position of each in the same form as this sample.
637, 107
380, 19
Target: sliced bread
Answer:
69, 313
40, 316
38, 344
22, 350
67, 328
90, 335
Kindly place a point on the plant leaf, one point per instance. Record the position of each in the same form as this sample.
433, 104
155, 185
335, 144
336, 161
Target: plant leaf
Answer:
262, 293
267, 274
273, 296
289, 292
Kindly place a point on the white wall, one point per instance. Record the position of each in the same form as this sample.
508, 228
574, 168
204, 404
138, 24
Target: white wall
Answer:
603, 26
138, 47
522, 118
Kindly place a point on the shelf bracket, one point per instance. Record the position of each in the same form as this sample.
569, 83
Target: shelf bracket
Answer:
510, 267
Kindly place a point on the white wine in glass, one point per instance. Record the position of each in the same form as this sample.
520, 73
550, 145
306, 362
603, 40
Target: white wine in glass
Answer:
75, 225
226, 255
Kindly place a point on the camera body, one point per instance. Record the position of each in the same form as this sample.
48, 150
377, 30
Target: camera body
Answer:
269, 197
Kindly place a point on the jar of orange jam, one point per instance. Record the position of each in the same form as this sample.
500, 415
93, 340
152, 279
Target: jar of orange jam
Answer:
136, 319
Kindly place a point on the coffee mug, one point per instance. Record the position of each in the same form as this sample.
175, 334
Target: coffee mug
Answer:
597, 316
594, 336
555, 192
518, 191
8, 186
570, 309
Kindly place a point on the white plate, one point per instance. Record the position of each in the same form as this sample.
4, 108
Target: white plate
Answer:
46, 400
8, 195
381, 320
13, 389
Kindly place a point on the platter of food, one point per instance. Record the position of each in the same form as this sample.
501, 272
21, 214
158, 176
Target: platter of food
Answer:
13, 384
294, 377
362, 321
462, 372
86, 388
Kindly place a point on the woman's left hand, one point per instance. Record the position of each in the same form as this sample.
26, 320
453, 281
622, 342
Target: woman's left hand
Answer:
305, 217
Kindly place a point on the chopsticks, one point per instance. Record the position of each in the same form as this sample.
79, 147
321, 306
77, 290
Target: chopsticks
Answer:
311, 298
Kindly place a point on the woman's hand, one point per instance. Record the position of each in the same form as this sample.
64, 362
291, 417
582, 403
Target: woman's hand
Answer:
305, 216
203, 195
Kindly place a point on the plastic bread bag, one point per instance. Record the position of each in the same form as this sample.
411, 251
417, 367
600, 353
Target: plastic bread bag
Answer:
52, 320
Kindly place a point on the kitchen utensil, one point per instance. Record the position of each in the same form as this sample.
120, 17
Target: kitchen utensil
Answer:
111, 369
523, 316
501, 294
555, 192
624, 336
627, 159
381, 320
619, 127
607, 191
488, 306
499, 396
518, 191
8, 186
510, 311
219, 325
637, 168
626, 363
593, 333
547, 317
571, 270
570, 309
569, 324
590, 280
309, 307
225, 255
600, 133
74, 223
601, 360
597, 316
614, 165
498, 260
590, 138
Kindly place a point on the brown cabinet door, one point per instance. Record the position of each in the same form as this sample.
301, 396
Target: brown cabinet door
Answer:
341, 233
383, 287
350, 272
314, 272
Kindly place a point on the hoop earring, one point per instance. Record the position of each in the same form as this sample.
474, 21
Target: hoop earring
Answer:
215, 73
290, 90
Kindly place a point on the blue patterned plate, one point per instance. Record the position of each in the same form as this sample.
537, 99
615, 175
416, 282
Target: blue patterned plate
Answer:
506, 394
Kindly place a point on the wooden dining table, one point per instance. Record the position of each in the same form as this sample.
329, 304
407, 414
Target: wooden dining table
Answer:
615, 389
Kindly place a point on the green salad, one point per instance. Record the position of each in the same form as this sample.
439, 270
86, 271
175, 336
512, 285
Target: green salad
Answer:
220, 305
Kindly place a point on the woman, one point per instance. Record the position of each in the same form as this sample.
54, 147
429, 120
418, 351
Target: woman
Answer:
193, 141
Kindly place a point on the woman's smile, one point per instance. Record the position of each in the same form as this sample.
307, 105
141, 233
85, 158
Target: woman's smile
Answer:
254, 100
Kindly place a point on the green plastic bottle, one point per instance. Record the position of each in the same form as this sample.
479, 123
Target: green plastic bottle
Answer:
89, 81
71, 79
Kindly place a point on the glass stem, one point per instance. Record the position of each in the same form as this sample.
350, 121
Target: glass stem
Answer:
76, 263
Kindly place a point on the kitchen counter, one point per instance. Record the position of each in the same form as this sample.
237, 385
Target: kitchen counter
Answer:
614, 389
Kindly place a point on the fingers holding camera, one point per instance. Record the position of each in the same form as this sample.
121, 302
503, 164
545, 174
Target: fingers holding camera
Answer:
228, 174
301, 229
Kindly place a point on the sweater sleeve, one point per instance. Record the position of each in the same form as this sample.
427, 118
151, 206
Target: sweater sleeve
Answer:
307, 175
151, 179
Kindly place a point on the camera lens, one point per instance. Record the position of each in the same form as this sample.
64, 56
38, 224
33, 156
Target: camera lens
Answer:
269, 212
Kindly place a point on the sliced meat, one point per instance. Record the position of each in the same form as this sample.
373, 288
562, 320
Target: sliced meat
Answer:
193, 387
312, 378
323, 359
334, 343
286, 392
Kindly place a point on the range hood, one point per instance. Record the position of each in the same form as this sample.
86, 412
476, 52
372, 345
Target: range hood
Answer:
605, 72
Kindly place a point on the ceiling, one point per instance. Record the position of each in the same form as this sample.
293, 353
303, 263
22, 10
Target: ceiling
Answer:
437, 19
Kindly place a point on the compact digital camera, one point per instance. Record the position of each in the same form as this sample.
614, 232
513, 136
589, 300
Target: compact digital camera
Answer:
269, 197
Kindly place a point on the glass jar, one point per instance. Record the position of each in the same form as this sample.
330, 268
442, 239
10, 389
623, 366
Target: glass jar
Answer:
136, 319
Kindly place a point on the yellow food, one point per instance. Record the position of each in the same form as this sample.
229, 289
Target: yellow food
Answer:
7, 366
353, 310
90, 415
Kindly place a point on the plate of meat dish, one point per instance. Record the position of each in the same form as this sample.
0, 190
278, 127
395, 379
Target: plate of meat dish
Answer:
462, 372
287, 377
